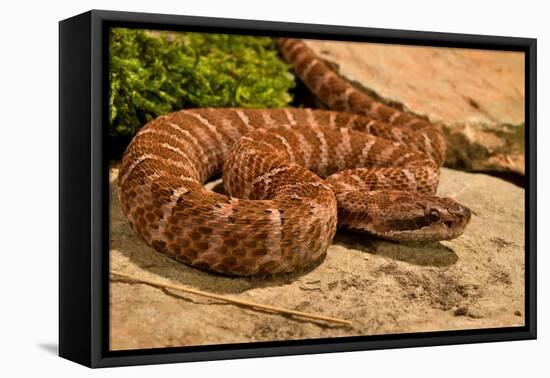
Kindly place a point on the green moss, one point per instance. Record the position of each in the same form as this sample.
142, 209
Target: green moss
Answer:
155, 73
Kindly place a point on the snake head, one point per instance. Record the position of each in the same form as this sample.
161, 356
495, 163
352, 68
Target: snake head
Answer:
403, 216
427, 218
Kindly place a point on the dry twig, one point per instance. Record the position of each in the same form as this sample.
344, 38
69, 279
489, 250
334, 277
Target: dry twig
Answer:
241, 302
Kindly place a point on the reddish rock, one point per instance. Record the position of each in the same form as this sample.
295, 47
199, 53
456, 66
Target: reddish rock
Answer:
476, 95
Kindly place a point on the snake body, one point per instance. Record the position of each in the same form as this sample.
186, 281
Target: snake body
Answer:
293, 175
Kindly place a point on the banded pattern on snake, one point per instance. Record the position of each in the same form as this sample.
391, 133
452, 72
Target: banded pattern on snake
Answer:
293, 176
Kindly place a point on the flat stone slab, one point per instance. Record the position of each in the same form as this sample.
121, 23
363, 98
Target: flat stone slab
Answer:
475, 281
476, 95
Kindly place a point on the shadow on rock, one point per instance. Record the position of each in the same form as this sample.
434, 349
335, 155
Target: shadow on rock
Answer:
417, 253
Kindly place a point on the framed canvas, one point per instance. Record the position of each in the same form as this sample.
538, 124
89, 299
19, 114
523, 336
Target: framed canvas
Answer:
234, 188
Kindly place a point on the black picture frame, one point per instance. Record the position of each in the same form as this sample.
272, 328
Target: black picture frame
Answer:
84, 202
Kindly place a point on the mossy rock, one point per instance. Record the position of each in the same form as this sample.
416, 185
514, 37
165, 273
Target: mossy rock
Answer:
153, 73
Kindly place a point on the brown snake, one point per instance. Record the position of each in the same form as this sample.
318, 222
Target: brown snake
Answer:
294, 175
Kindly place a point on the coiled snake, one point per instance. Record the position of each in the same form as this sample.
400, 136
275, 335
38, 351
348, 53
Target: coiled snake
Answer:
293, 176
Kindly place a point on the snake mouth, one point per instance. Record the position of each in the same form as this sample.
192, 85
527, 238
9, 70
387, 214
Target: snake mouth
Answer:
410, 224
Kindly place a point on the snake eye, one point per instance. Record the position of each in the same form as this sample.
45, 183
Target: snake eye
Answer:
433, 214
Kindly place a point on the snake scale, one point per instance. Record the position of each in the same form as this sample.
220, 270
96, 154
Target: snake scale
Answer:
293, 175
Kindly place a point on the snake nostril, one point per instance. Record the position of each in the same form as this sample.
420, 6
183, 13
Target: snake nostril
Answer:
449, 224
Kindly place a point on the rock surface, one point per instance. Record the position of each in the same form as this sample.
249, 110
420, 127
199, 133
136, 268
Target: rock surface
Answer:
475, 281
476, 95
